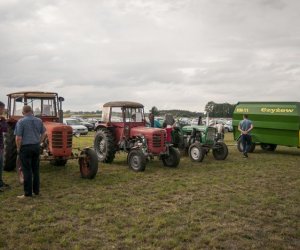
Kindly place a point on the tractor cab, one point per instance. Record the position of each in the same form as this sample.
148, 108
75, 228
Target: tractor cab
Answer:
45, 105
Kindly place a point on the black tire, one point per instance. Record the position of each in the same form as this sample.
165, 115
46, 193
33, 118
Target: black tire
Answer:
10, 150
268, 147
104, 145
220, 151
88, 163
196, 152
137, 160
58, 162
172, 159
240, 146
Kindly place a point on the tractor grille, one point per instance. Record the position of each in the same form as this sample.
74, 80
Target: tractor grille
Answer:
210, 136
69, 139
58, 139
157, 140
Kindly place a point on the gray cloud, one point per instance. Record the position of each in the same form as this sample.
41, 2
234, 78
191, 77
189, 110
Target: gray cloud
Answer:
172, 54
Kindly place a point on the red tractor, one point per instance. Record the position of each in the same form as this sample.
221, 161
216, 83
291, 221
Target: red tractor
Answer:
57, 146
123, 129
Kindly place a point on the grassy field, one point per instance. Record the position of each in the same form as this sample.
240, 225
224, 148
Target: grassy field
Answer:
238, 203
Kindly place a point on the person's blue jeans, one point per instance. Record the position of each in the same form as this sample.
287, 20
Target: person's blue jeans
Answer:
1, 167
30, 160
246, 142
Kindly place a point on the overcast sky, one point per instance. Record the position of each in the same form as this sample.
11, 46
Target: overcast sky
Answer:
172, 54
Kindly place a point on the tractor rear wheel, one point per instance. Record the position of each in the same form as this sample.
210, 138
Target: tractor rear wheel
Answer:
136, 160
268, 147
196, 152
88, 163
240, 146
104, 145
220, 151
172, 159
10, 150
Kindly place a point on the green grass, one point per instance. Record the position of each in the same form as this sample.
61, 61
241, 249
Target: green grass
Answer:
233, 204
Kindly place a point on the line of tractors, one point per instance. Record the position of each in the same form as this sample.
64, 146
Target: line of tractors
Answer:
122, 128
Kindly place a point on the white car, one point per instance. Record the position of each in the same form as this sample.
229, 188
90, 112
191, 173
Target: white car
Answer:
76, 126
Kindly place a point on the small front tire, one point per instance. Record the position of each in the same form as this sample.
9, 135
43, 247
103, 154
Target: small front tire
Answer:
88, 163
136, 160
220, 151
172, 159
196, 152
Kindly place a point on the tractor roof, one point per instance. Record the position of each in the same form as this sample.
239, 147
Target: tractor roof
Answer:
33, 94
124, 104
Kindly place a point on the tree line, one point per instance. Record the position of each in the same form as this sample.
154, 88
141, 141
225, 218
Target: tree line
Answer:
213, 109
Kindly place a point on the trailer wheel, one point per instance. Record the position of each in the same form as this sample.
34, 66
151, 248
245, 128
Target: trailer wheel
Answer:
104, 145
268, 147
88, 163
172, 159
10, 150
220, 151
136, 160
196, 152
240, 146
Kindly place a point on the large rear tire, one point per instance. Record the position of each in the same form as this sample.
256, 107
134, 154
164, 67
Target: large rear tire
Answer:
10, 150
88, 163
136, 160
172, 159
220, 151
104, 145
196, 152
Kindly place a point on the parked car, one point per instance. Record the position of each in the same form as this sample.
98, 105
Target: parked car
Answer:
228, 126
76, 126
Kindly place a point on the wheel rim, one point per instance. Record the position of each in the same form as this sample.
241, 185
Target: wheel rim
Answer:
135, 162
195, 153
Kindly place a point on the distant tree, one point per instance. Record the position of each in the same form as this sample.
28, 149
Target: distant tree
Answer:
219, 109
154, 111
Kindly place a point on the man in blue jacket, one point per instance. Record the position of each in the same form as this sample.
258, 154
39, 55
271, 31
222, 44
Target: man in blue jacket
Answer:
245, 126
30, 132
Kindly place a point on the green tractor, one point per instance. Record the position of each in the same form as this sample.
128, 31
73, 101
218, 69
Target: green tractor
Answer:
198, 140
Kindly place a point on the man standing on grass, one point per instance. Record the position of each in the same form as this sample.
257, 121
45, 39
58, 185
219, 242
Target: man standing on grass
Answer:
3, 129
245, 126
30, 132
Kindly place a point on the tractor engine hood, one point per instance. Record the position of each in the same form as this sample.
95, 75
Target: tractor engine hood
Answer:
146, 131
189, 129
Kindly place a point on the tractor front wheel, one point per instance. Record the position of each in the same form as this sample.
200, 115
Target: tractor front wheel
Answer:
172, 159
88, 163
136, 160
220, 151
196, 152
